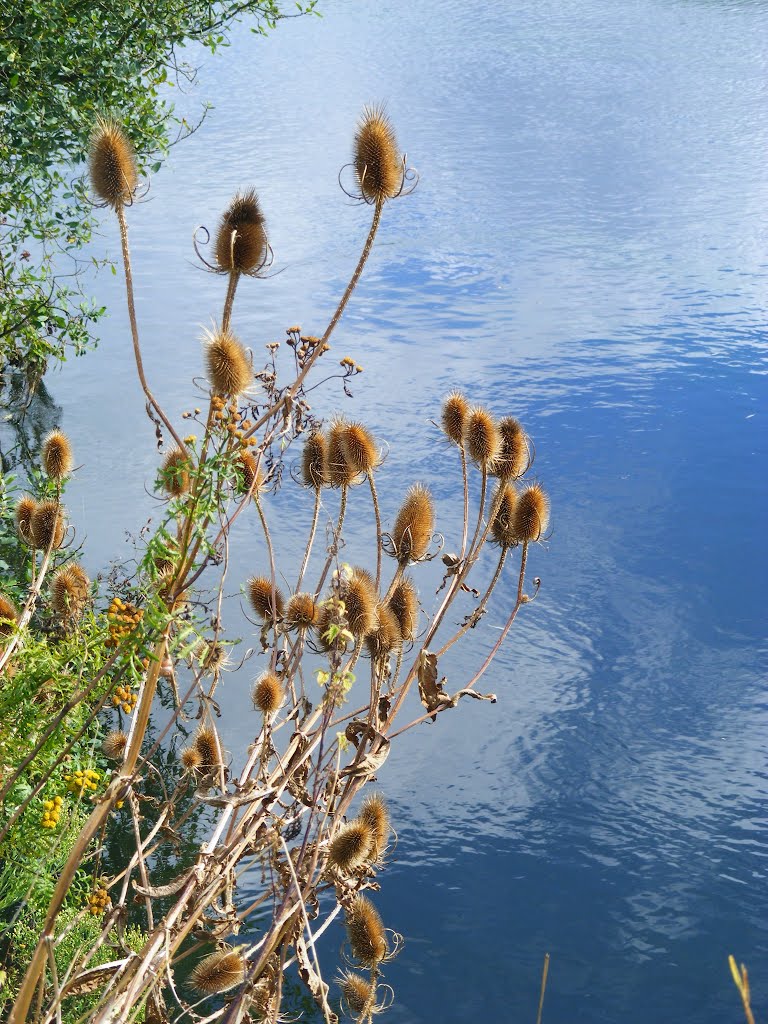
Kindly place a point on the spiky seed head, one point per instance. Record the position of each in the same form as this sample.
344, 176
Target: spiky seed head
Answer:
313, 461
114, 745
357, 992
503, 525
351, 846
360, 601
387, 636
25, 507
241, 243
531, 514
69, 591
229, 368
190, 758
455, 412
360, 448
405, 604
337, 467
112, 164
268, 694
514, 456
365, 930
9, 615
329, 614
378, 165
57, 455
47, 525
207, 746
176, 472
253, 477
375, 814
260, 593
218, 972
481, 437
414, 526
300, 612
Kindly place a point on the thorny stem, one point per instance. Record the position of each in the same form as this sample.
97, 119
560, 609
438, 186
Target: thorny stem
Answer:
375, 499
465, 483
234, 277
311, 540
474, 617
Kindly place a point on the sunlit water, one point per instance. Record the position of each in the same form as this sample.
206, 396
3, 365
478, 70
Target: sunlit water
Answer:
586, 249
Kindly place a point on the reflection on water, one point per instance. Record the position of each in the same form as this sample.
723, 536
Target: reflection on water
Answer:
587, 250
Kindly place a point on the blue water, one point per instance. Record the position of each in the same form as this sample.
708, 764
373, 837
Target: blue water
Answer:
587, 249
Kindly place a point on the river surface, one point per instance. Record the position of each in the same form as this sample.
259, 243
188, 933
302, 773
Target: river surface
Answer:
587, 249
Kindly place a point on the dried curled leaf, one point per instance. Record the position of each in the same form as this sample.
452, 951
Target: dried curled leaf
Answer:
432, 693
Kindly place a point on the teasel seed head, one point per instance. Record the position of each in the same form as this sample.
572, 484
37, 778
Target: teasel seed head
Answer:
69, 591
112, 164
260, 593
114, 745
47, 525
25, 508
375, 814
378, 165
365, 930
360, 449
313, 461
207, 746
455, 412
253, 477
360, 600
351, 847
300, 612
338, 470
241, 242
218, 972
482, 438
9, 615
414, 526
531, 514
176, 472
514, 455
387, 636
268, 694
503, 528
405, 604
57, 455
357, 992
329, 613
190, 758
229, 368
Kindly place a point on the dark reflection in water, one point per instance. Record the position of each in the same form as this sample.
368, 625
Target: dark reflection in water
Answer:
587, 250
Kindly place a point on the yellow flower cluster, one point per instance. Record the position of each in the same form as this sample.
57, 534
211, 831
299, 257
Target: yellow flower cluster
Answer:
80, 782
123, 618
124, 698
51, 812
227, 416
98, 901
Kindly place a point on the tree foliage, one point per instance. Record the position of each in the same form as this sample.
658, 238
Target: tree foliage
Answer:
63, 63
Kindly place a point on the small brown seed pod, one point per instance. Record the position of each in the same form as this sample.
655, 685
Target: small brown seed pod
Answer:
387, 636
176, 472
357, 992
329, 614
253, 477
25, 507
350, 848
300, 612
360, 601
260, 593
268, 694
241, 242
503, 528
47, 525
190, 758
481, 437
375, 814
9, 615
360, 450
218, 972
378, 165
114, 745
414, 526
57, 455
69, 591
531, 514
365, 930
514, 455
454, 417
313, 461
405, 605
229, 368
112, 164
338, 470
